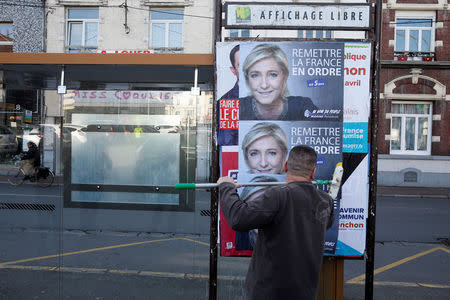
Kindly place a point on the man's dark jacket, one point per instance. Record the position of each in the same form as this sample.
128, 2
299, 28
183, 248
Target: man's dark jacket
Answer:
291, 221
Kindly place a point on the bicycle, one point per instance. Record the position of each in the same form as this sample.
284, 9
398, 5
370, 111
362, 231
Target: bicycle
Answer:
42, 176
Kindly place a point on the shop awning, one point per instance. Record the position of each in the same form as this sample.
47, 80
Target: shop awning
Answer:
97, 71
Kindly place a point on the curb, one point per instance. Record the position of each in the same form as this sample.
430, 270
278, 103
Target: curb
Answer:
414, 196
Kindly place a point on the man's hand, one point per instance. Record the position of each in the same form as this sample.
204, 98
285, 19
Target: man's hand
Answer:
228, 179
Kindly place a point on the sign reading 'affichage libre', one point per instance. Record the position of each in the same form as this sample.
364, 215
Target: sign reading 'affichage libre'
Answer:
290, 15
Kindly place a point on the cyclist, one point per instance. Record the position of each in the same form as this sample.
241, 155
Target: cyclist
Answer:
31, 160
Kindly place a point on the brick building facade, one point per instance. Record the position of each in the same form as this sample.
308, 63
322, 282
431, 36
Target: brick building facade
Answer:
414, 108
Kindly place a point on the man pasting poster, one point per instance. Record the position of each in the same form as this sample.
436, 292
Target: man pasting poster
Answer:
290, 93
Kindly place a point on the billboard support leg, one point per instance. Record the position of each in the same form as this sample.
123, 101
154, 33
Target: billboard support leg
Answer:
331, 280
370, 235
214, 174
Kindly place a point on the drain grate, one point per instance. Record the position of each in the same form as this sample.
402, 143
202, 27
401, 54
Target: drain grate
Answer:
205, 213
27, 206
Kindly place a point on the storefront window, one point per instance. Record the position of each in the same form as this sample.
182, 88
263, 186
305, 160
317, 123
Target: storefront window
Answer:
20, 116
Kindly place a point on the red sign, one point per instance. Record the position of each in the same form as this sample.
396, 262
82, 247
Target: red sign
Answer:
126, 51
229, 113
227, 235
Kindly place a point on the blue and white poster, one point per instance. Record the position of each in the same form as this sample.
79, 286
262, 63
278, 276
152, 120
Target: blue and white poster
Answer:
299, 93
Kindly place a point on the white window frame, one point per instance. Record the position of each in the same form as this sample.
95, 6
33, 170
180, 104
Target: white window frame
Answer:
314, 32
8, 24
8, 43
424, 15
403, 117
82, 48
167, 23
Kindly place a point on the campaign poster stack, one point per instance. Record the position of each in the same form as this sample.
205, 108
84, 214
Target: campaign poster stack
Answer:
319, 96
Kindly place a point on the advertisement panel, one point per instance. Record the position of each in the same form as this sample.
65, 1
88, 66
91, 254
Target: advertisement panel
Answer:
318, 95
295, 15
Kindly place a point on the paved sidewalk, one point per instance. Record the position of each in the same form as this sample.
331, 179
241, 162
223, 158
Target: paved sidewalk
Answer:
420, 192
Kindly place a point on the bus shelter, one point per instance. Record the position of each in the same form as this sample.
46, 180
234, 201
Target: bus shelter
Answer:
119, 131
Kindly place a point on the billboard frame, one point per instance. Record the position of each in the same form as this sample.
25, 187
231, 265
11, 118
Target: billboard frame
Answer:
318, 4
374, 31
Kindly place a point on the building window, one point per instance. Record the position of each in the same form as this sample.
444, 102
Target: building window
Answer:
6, 37
411, 128
82, 30
166, 27
234, 33
317, 34
414, 38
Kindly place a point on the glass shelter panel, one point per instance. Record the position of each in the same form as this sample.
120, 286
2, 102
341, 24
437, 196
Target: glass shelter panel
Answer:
30, 204
111, 225
122, 162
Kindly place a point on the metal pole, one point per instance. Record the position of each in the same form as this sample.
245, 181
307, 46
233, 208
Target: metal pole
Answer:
214, 168
61, 211
193, 186
370, 238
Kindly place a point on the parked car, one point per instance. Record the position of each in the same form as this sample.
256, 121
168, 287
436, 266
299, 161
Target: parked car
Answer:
69, 130
74, 131
8, 140
168, 128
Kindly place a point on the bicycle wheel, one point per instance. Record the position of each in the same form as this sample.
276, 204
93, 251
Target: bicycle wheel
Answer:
16, 176
47, 181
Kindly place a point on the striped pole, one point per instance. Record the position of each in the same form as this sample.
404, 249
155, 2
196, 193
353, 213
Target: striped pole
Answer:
193, 186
